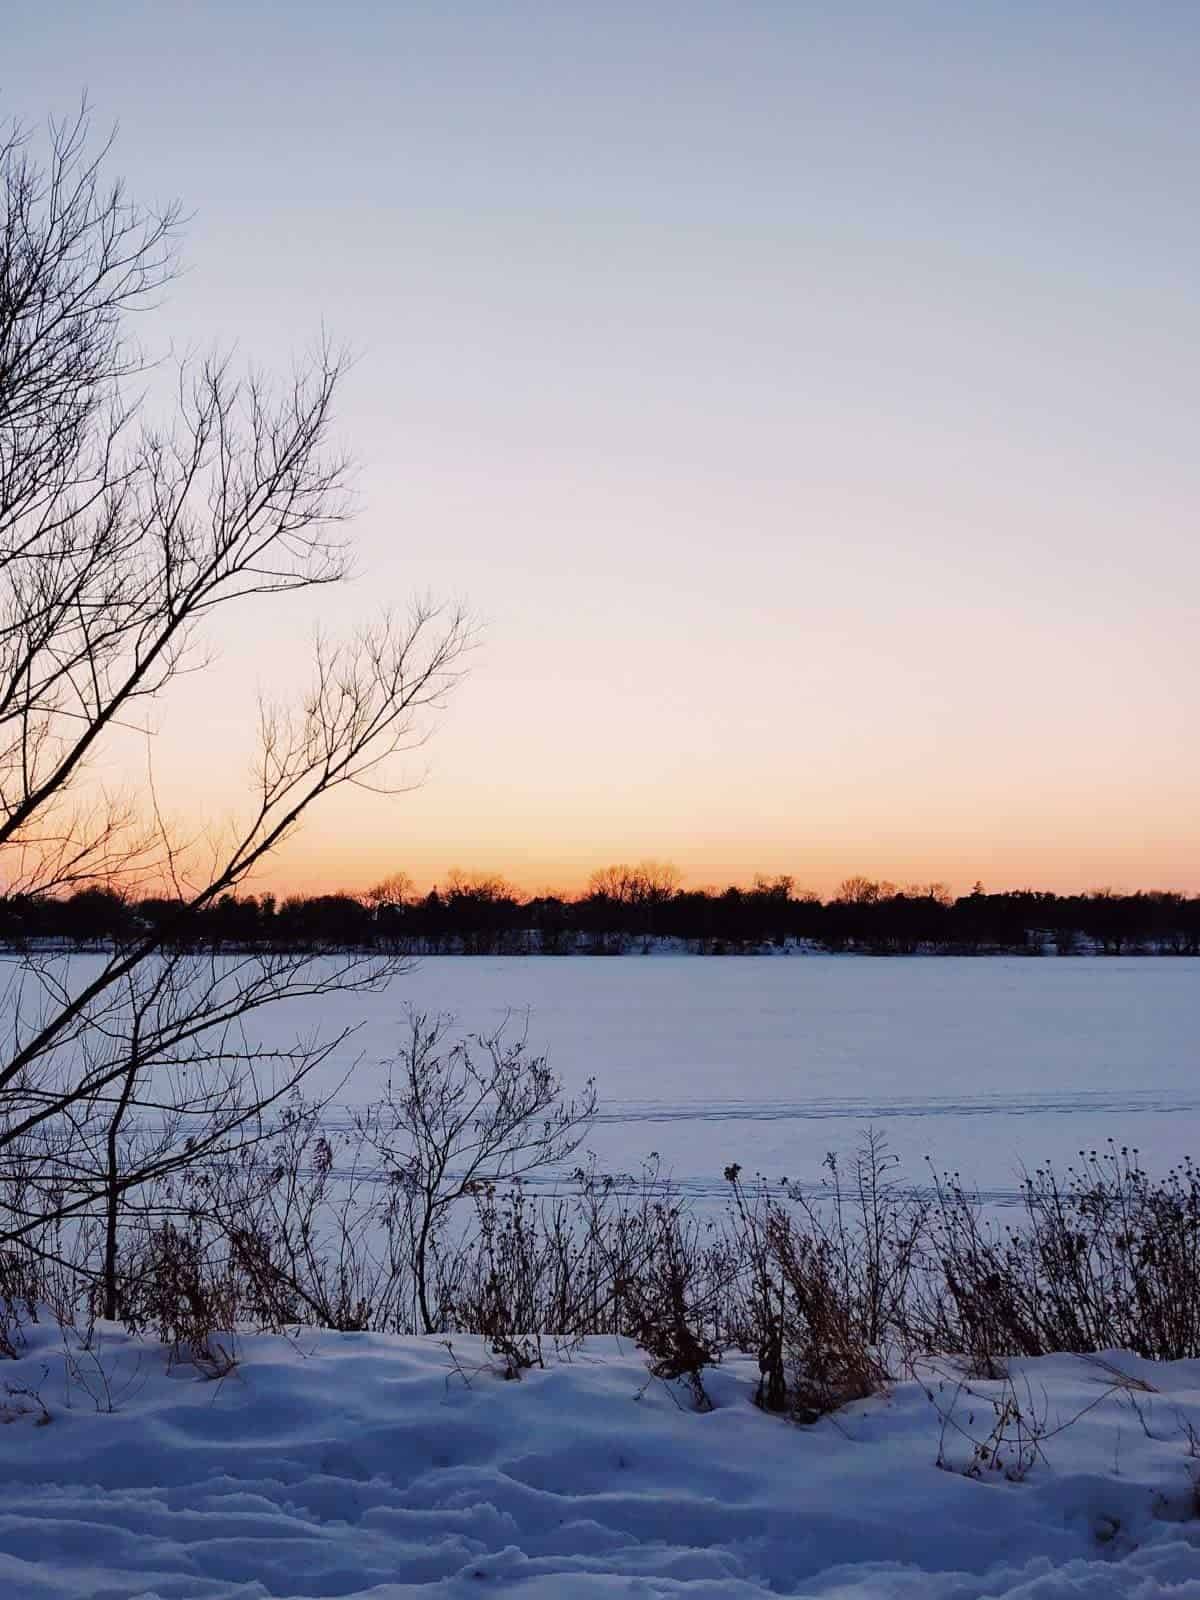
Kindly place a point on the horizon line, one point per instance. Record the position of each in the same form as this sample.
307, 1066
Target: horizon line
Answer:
885, 887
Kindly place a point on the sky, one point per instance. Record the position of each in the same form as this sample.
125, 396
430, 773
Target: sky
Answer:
803, 397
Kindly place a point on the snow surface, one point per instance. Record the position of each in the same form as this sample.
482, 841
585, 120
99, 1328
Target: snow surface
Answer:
983, 1065
353, 1465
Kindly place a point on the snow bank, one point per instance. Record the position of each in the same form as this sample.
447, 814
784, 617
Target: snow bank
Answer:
351, 1465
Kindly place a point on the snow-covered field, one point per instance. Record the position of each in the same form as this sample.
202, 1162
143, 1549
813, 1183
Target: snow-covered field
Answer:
352, 1465
355, 1465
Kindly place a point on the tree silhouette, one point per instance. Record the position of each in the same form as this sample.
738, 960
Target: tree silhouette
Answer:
121, 537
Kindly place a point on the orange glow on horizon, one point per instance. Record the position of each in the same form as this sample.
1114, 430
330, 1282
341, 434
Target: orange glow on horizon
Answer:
825, 516
568, 878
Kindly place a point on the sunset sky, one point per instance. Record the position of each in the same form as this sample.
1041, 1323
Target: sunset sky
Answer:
805, 398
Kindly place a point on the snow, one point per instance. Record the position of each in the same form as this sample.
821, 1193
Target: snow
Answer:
354, 1465
980, 1064
983, 1064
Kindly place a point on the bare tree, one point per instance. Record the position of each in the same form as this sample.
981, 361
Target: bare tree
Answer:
648, 883
635, 894
119, 539
397, 889
456, 1116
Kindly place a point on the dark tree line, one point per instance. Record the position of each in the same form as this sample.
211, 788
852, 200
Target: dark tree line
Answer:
623, 910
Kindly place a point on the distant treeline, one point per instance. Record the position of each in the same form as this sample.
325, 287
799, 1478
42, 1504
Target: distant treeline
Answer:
628, 910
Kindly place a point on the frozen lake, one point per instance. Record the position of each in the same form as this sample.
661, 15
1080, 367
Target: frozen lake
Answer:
981, 1064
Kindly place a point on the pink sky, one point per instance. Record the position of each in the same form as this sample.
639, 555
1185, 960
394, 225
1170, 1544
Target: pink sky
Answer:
805, 399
